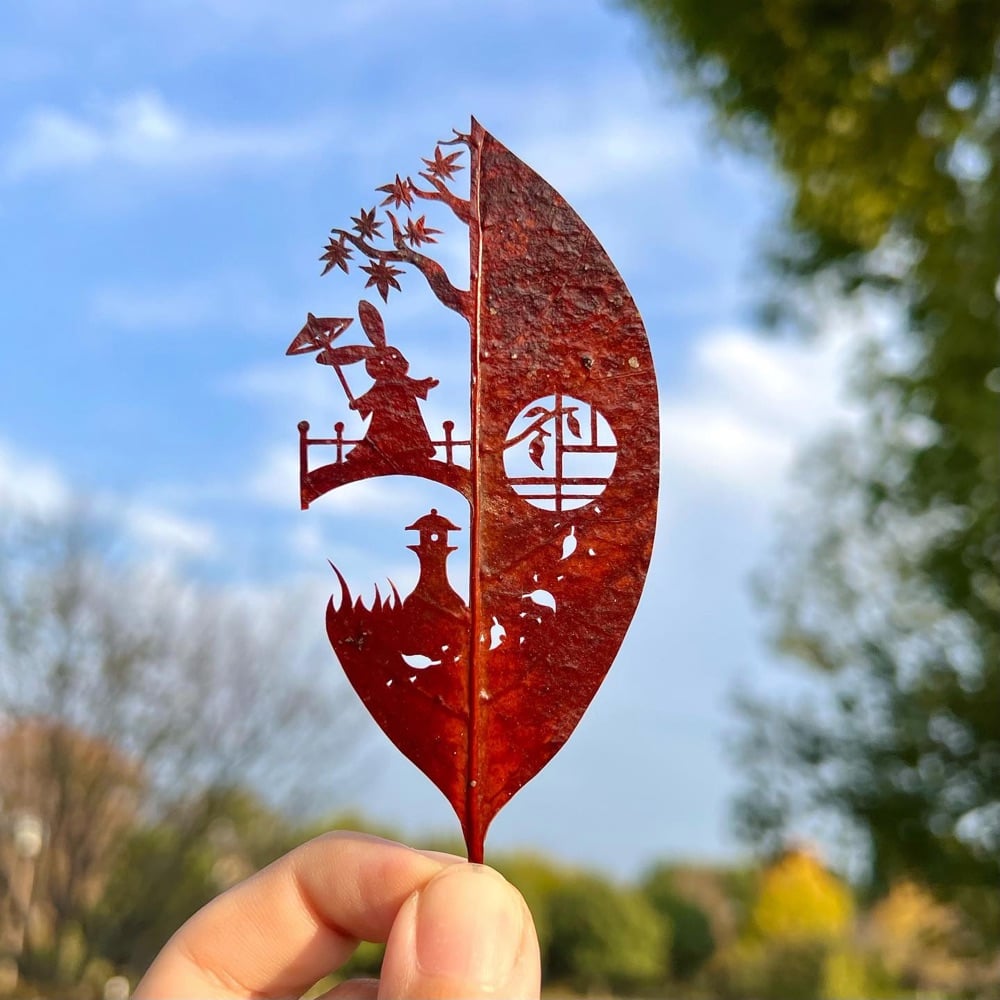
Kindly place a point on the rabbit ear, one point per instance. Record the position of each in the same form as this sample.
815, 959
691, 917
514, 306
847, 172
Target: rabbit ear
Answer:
372, 323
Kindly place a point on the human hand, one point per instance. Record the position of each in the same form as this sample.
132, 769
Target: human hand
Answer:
453, 930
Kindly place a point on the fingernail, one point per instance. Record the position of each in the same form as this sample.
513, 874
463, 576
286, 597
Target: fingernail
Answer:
469, 926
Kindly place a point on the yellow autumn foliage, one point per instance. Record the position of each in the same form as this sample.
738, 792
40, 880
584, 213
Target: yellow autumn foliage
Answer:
799, 898
913, 934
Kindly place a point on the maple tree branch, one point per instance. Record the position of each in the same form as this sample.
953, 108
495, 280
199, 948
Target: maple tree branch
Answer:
461, 138
366, 248
460, 206
538, 424
454, 298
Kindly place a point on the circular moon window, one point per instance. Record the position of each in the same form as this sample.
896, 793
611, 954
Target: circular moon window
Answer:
559, 453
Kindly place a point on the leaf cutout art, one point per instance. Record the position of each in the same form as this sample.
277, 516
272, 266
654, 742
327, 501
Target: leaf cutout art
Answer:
336, 254
443, 166
382, 276
480, 684
418, 232
365, 224
398, 193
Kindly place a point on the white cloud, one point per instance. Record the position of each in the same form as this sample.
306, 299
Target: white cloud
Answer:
167, 536
596, 136
143, 132
605, 150
31, 487
747, 406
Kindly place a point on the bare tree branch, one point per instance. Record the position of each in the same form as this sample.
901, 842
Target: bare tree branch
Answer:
126, 692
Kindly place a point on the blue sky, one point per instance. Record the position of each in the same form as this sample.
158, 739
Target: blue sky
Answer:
169, 170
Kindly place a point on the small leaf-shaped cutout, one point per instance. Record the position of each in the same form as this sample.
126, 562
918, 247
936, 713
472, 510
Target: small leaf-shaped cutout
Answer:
573, 424
536, 450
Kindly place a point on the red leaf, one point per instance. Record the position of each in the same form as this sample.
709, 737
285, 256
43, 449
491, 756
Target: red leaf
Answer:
481, 697
573, 424
398, 193
383, 276
337, 254
442, 166
365, 224
417, 231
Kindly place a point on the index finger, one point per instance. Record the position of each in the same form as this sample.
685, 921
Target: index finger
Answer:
292, 923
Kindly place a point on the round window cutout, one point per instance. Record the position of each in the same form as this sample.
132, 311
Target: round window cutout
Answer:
560, 453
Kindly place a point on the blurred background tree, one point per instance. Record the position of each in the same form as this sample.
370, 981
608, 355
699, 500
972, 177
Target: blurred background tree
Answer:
692, 940
604, 938
796, 938
884, 118
132, 710
917, 940
798, 897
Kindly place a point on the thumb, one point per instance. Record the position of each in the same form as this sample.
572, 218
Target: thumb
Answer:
466, 935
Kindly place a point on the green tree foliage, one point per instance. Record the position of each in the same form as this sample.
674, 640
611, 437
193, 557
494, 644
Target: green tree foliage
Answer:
165, 872
884, 118
692, 941
604, 938
537, 878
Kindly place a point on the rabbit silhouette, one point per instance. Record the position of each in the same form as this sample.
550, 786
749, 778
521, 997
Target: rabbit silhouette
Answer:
397, 427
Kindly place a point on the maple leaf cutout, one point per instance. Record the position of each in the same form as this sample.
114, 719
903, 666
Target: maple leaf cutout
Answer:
398, 193
383, 276
443, 167
365, 224
337, 254
417, 231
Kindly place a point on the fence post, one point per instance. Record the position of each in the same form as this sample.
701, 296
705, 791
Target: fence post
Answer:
449, 426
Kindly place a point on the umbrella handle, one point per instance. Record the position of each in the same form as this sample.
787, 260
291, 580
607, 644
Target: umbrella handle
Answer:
347, 388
